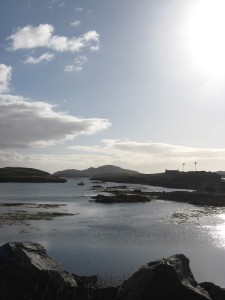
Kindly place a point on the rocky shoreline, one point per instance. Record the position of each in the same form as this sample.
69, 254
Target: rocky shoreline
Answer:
197, 188
27, 272
118, 195
120, 198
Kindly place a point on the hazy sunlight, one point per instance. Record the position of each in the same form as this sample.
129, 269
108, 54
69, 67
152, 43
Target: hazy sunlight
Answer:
206, 30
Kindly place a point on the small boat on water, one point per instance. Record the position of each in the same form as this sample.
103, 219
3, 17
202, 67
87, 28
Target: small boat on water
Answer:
80, 183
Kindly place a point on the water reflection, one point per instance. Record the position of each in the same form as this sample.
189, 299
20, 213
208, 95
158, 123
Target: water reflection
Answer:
119, 238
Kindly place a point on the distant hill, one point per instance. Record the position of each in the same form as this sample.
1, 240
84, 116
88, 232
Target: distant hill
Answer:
16, 174
103, 170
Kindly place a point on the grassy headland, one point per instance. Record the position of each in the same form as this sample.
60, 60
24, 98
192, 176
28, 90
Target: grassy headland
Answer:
15, 174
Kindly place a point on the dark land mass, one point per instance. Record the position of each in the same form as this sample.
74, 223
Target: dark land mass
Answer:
207, 181
221, 173
15, 174
107, 169
27, 272
208, 188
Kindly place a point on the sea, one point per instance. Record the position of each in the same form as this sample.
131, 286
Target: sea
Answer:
114, 240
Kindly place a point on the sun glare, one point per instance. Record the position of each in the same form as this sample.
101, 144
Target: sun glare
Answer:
206, 30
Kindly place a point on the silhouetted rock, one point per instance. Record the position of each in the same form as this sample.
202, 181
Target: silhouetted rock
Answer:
27, 272
169, 278
215, 291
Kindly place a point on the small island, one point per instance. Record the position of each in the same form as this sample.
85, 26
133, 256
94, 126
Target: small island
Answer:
17, 174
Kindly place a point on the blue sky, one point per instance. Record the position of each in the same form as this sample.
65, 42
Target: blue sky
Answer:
138, 84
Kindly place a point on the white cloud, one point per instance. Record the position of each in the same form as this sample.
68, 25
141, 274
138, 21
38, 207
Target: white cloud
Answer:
30, 37
12, 157
28, 123
45, 57
75, 23
155, 157
78, 64
50, 162
5, 77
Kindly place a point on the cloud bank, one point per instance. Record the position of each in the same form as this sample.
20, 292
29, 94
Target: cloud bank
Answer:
26, 123
31, 37
143, 157
5, 77
154, 157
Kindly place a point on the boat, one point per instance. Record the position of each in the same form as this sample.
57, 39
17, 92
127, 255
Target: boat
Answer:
80, 183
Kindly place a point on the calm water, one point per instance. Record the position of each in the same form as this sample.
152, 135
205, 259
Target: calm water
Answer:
118, 238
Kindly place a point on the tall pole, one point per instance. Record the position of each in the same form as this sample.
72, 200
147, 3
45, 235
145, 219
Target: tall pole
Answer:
183, 166
195, 165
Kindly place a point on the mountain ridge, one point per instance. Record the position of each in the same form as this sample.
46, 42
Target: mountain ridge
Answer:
105, 169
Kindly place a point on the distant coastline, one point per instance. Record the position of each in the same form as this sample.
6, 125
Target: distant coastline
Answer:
205, 188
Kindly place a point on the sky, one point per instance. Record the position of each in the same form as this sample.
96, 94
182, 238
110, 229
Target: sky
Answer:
137, 84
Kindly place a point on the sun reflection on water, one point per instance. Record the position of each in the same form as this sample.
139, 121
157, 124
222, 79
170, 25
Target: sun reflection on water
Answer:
218, 231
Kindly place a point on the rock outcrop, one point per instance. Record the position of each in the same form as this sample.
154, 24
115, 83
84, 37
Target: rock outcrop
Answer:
120, 198
27, 272
169, 278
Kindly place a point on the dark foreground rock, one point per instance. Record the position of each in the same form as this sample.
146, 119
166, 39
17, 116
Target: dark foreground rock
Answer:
169, 278
27, 272
215, 292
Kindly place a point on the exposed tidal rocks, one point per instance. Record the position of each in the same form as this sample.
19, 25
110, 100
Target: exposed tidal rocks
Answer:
27, 272
120, 198
205, 188
192, 197
20, 213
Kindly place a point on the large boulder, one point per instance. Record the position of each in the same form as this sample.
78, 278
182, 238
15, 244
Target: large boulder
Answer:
165, 279
27, 272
